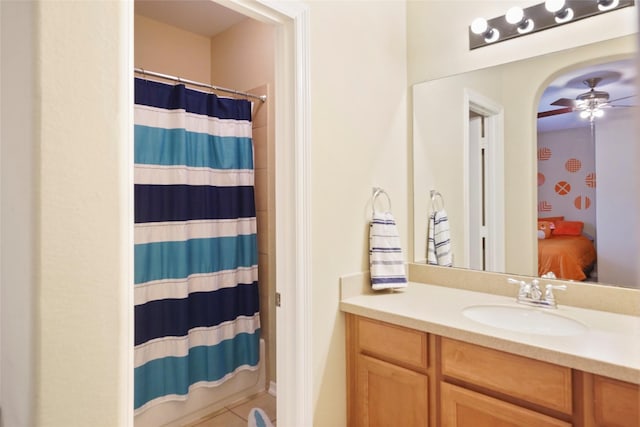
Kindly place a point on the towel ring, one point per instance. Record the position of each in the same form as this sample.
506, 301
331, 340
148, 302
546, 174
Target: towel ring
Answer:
376, 192
435, 195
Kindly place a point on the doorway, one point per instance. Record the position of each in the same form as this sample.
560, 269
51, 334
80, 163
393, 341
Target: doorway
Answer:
484, 183
292, 322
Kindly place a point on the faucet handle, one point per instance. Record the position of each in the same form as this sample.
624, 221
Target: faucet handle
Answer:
524, 287
548, 292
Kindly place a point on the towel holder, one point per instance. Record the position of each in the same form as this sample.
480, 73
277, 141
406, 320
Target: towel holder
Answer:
435, 195
376, 192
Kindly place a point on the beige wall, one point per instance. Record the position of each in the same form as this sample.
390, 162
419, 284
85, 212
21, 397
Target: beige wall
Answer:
170, 50
359, 140
83, 193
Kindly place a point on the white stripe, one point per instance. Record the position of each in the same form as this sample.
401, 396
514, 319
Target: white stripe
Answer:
179, 119
179, 346
176, 231
185, 175
204, 282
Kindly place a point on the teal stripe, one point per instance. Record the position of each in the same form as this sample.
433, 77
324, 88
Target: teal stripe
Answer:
175, 260
173, 375
158, 146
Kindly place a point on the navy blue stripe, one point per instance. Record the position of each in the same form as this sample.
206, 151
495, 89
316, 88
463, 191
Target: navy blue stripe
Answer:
170, 97
377, 280
154, 203
175, 317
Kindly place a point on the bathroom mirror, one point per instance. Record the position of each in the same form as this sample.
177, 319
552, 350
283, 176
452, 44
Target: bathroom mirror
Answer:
445, 113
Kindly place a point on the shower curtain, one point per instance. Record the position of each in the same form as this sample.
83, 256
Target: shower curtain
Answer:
196, 274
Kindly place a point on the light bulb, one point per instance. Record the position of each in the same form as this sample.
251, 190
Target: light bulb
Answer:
514, 15
604, 5
598, 112
554, 6
479, 26
584, 114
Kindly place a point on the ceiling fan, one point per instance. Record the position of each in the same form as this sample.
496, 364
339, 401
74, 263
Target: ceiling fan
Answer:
589, 104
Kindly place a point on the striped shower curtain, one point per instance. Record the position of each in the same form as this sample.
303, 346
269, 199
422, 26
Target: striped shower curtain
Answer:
196, 256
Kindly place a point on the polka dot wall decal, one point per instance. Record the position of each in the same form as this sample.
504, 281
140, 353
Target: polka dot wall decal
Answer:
544, 153
590, 180
563, 188
582, 202
573, 165
541, 179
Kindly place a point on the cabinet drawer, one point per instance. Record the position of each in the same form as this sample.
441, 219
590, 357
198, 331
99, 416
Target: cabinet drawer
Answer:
531, 380
617, 403
396, 344
466, 408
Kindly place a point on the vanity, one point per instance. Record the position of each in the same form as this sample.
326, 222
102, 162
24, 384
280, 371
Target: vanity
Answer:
414, 358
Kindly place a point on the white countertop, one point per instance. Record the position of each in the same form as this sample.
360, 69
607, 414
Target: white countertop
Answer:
609, 347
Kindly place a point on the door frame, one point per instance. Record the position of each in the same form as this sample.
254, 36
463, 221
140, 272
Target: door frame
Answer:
493, 114
293, 195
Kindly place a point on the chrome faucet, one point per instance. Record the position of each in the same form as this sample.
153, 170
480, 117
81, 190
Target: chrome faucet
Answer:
531, 294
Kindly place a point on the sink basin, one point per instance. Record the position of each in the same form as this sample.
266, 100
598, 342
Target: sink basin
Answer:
524, 319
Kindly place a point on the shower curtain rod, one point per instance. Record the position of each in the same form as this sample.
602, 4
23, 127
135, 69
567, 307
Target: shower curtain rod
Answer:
142, 71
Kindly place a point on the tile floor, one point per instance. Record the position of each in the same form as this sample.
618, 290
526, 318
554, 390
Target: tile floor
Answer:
235, 415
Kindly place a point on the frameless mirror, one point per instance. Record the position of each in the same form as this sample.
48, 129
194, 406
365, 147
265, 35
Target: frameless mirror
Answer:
476, 144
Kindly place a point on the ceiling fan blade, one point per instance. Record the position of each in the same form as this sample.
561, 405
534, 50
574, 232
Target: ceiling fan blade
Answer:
620, 99
554, 112
565, 102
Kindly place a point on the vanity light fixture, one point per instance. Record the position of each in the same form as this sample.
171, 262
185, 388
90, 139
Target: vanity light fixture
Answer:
516, 16
480, 27
605, 5
561, 12
549, 14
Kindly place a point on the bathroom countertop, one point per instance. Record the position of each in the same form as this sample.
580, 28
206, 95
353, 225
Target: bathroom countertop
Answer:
609, 347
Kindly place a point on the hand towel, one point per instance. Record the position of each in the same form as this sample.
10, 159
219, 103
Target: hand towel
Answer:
385, 254
439, 240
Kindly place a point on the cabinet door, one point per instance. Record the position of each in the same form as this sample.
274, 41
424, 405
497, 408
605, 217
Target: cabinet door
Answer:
391, 396
465, 408
617, 403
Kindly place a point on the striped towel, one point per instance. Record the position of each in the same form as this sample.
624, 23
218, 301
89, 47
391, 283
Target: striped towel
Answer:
385, 254
439, 240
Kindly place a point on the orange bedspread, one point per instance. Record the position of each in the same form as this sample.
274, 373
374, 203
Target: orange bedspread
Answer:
566, 256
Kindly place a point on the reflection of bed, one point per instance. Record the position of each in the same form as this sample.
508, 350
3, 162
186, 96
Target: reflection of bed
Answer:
568, 257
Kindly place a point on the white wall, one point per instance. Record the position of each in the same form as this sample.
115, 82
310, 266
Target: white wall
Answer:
617, 190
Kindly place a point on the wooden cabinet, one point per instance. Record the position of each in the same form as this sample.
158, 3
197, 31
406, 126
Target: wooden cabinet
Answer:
465, 408
389, 395
615, 403
398, 376
388, 384
528, 380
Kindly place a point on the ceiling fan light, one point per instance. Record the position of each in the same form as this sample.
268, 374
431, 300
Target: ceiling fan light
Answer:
598, 113
585, 114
